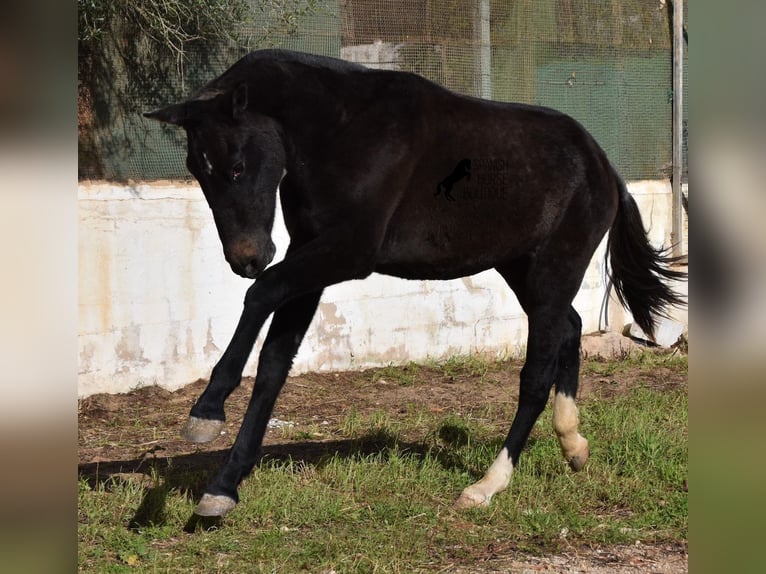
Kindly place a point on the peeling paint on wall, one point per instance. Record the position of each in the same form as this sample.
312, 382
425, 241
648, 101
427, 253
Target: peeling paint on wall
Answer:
158, 303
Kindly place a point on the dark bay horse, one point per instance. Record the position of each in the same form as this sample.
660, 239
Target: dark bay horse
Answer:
357, 154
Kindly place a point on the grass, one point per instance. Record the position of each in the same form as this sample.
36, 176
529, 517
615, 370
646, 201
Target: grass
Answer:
385, 504
469, 365
405, 375
673, 360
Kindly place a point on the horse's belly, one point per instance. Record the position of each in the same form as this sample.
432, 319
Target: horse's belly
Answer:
443, 239
434, 254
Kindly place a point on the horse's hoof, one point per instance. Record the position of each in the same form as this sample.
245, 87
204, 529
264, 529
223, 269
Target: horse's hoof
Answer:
577, 462
201, 430
214, 505
471, 499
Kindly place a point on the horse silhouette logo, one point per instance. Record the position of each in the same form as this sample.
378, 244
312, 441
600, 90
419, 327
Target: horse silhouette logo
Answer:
462, 171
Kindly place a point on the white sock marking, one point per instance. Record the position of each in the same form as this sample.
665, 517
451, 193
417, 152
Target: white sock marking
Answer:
565, 423
496, 479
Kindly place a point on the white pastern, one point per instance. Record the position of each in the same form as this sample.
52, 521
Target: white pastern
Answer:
496, 479
565, 422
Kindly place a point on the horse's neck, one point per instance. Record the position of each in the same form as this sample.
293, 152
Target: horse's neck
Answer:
307, 106
308, 94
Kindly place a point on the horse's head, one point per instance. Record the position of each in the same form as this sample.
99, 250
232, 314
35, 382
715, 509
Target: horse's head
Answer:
238, 158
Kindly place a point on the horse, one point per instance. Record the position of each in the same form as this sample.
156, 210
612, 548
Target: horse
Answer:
356, 154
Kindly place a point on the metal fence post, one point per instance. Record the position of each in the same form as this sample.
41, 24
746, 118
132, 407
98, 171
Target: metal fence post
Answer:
678, 112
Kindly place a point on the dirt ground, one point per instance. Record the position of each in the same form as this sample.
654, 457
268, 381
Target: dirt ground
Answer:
117, 433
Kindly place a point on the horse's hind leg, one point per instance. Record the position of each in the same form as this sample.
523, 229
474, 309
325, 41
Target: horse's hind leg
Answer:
536, 382
565, 417
545, 291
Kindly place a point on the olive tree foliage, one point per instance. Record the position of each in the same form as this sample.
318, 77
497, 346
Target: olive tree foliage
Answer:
136, 54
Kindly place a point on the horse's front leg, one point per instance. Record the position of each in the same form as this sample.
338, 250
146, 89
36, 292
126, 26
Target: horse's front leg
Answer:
207, 416
292, 287
285, 335
343, 253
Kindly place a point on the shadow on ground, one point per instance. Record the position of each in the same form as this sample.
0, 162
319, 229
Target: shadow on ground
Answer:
190, 473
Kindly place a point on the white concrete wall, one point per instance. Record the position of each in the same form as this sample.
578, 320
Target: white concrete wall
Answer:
158, 303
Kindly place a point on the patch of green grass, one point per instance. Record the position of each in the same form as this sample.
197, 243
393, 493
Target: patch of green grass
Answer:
385, 503
352, 423
648, 359
379, 422
405, 375
312, 431
469, 365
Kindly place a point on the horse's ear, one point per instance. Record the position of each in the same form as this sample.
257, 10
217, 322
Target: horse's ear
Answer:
177, 114
239, 101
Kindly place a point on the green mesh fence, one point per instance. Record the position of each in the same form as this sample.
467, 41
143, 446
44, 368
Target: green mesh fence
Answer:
607, 63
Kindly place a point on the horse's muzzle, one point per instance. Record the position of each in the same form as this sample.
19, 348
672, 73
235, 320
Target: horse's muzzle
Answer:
248, 261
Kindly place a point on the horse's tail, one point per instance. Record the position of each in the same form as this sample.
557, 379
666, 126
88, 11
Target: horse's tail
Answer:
639, 272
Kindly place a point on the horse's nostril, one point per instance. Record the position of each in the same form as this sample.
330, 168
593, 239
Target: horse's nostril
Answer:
251, 269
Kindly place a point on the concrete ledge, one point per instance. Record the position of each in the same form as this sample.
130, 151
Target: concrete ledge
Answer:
158, 303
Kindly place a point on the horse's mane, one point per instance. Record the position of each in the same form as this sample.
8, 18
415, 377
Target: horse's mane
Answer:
239, 69
301, 58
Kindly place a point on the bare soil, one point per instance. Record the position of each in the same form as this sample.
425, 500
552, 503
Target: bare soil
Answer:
119, 433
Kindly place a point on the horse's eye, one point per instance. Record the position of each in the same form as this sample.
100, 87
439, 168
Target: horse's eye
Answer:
237, 170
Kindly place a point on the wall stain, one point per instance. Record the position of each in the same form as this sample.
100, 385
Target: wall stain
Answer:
330, 317
104, 263
333, 334
87, 354
129, 349
210, 347
189, 341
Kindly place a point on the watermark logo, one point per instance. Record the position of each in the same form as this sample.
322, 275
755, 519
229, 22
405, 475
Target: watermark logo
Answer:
462, 171
476, 179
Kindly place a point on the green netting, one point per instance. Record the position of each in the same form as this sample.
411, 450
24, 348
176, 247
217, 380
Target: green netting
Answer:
605, 62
